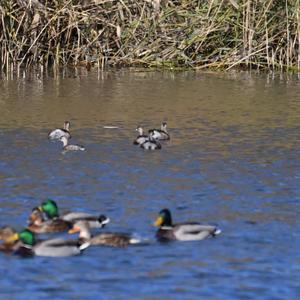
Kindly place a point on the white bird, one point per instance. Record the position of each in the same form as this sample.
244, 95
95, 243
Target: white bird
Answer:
162, 133
56, 134
141, 138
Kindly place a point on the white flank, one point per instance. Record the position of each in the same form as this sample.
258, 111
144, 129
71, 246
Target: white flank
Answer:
84, 246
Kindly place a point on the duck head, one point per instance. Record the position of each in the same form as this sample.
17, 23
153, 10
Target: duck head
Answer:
49, 207
36, 217
26, 236
164, 218
140, 130
163, 126
67, 125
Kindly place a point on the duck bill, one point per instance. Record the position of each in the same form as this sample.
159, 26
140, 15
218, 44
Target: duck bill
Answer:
158, 221
12, 238
40, 208
74, 229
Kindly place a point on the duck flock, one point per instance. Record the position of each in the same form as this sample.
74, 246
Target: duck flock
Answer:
147, 142
46, 218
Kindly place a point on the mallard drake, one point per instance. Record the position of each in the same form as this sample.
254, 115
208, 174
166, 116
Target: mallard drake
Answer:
112, 239
160, 134
151, 143
67, 147
50, 208
28, 246
56, 134
37, 223
141, 138
182, 231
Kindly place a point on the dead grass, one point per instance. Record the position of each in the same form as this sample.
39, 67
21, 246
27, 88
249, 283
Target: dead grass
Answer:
215, 34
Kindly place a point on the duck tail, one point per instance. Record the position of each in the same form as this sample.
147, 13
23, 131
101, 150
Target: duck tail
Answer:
84, 246
103, 220
217, 231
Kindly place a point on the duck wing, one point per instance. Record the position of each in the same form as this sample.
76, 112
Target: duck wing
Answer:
194, 231
76, 216
140, 139
94, 221
58, 248
113, 239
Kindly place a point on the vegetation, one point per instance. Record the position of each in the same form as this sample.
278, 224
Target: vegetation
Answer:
153, 33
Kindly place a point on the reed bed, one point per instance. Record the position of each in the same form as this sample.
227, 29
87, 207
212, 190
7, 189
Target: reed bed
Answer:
194, 34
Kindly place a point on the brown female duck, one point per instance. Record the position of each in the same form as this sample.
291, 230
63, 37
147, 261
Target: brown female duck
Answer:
37, 223
6, 233
106, 238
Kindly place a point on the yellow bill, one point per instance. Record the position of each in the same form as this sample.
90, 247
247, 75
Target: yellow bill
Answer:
158, 221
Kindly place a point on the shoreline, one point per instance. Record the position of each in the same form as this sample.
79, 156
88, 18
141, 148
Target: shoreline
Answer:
174, 35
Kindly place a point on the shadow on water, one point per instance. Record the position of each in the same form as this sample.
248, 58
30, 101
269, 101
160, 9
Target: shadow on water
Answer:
233, 160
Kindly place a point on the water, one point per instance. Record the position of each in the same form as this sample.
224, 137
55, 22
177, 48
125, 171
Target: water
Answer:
233, 160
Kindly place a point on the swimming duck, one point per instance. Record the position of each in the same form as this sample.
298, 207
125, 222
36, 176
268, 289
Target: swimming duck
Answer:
67, 147
106, 238
162, 133
28, 246
37, 223
151, 143
183, 231
141, 138
56, 134
49, 207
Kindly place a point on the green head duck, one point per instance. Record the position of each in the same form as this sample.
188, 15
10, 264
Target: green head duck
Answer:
164, 218
49, 207
27, 237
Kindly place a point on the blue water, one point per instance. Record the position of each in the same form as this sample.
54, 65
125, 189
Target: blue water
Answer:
233, 160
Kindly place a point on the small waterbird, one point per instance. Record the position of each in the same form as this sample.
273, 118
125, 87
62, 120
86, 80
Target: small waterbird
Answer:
189, 231
141, 138
113, 239
56, 134
160, 134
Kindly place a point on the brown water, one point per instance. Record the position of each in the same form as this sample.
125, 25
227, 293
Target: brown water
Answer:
233, 160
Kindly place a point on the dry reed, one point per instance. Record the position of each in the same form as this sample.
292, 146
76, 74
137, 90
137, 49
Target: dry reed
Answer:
216, 34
